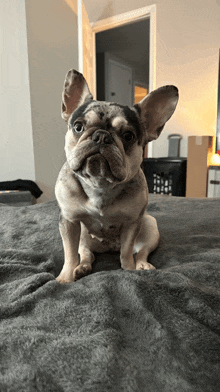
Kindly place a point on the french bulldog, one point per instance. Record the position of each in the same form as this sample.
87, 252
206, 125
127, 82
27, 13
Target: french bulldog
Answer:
101, 189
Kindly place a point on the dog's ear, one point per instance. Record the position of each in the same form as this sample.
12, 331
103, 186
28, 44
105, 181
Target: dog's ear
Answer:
156, 109
75, 93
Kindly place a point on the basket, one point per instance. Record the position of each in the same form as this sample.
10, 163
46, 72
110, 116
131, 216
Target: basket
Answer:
166, 175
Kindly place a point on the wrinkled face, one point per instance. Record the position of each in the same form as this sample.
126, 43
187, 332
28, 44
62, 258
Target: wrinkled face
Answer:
104, 140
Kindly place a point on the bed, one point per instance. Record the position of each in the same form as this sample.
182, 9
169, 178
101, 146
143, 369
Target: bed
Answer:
114, 330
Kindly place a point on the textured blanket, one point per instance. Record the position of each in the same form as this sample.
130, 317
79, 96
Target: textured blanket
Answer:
114, 330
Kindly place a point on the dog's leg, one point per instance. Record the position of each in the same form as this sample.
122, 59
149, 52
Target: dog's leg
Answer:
127, 245
85, 266
70, 233
86, 255
146, 241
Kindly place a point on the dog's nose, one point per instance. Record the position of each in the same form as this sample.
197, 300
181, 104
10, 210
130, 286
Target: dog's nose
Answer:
102, 137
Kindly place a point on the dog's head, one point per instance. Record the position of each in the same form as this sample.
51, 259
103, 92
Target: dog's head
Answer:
105, 141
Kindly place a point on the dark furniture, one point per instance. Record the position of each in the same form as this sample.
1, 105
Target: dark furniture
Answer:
166, 175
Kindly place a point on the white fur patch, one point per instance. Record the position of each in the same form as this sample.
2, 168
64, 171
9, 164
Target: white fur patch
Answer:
91, 117
118, 121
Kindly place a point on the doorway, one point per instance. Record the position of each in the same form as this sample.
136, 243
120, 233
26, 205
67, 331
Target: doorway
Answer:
128, 20
119, 84
122, 61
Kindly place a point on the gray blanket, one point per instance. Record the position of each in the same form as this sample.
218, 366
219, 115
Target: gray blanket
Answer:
114, 330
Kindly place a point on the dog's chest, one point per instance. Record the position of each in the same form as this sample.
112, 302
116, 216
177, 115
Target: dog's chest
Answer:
103, 224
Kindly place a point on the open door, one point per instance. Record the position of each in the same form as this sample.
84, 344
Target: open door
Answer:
86, 44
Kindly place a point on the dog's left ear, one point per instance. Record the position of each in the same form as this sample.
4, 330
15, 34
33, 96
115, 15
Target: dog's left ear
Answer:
156, 109
75, 93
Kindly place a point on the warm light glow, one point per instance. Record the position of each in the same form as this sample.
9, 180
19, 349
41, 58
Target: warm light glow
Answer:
139, 93
216, 159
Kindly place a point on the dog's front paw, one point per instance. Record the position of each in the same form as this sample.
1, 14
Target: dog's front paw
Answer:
65, 277
144, 265
82, 270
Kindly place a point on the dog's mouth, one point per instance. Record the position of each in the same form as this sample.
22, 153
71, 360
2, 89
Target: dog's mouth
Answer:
105, 162
97, 166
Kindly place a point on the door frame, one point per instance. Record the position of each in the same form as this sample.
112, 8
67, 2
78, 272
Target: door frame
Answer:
148, 12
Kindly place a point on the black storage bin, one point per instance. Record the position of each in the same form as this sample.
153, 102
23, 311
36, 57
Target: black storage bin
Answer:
166, 175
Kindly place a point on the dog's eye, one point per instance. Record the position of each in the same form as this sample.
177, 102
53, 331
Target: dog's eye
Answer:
78, 127
128, 136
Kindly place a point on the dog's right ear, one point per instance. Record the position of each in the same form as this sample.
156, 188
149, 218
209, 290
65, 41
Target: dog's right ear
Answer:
75, 93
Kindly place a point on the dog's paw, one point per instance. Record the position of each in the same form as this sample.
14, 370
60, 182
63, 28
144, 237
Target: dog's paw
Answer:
144, 265
65, 277
82, 270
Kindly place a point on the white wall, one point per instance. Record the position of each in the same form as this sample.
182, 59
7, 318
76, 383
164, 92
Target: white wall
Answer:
52, 51
187, 50
16, 138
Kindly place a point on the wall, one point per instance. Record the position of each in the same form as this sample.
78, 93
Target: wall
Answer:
187, 49
16, 139
52, 51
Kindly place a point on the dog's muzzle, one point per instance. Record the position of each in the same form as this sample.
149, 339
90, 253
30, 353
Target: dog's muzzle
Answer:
101, 157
